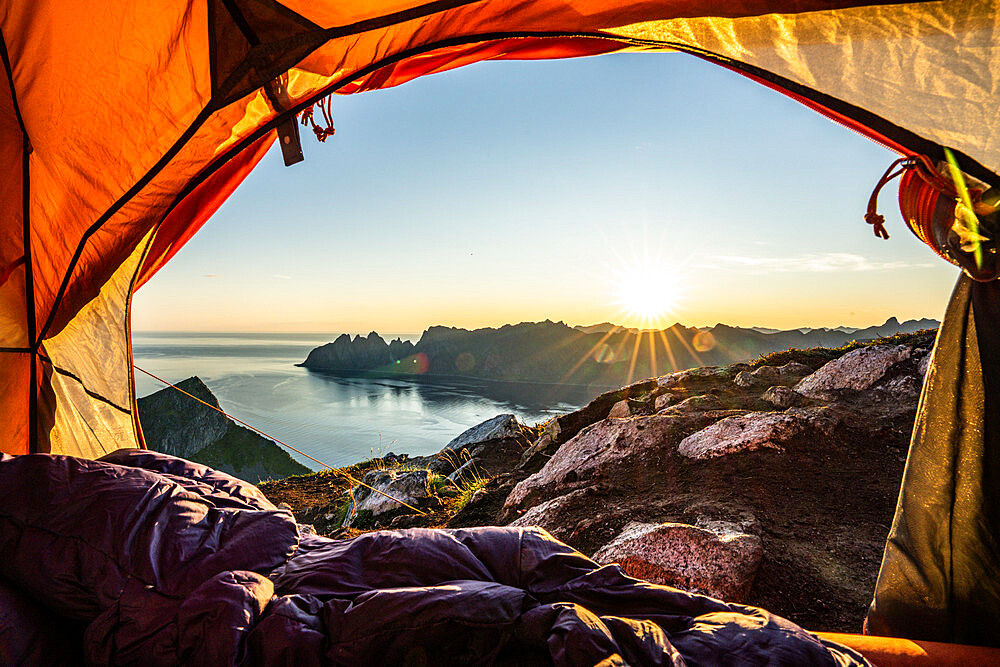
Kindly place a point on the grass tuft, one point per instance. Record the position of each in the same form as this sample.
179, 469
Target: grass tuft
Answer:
467, 489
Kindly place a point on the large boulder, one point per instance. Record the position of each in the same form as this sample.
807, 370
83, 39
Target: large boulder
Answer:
756, 430
497, 428
382, 495
561, 429
857, 370
720, 562
491, 447
599, 452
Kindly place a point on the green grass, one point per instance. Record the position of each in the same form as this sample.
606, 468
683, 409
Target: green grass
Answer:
439, 485
467, 489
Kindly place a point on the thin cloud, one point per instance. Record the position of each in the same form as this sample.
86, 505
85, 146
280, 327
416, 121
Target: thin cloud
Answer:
828, 262
210, 275
281, 277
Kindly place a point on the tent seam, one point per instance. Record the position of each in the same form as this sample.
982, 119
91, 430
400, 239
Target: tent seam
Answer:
89, 392
29, 285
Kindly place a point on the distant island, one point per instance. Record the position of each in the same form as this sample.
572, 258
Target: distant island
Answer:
554, 352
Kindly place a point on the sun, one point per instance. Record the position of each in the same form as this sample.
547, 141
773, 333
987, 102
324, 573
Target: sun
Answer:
648, 293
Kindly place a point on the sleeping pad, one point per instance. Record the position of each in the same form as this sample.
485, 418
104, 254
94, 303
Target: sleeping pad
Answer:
167, 562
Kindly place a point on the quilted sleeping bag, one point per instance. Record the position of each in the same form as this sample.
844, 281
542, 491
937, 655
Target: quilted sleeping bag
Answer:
167, 562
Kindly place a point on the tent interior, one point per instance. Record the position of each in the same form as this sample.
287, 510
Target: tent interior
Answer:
125, 126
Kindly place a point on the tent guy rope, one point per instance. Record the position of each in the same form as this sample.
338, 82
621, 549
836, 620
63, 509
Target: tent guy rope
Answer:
336, 471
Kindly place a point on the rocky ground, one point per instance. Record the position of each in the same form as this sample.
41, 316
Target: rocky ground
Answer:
771, 483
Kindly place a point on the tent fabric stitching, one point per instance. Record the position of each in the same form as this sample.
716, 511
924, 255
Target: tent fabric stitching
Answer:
89, 392
29, 291
119, 203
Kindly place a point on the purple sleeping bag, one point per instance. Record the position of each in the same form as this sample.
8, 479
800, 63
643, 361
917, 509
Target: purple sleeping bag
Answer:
168, 562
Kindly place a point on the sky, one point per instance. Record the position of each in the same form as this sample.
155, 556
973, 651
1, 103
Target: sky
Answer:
640, 189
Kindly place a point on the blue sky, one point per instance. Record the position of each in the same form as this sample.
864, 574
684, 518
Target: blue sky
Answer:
580, 190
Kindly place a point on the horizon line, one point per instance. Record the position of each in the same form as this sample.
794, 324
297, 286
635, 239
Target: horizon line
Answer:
360, 332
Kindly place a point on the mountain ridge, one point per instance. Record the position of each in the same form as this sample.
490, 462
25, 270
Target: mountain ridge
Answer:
554, 352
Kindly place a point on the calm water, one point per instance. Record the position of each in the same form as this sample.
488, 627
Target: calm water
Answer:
339, 419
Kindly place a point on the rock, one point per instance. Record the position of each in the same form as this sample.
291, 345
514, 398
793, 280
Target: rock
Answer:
665, 400
719, 564
755, 430
744, 379
780, 396
559, 430
699, 403
681, 378
794, 369
857, 370
641, 405
410, 487
501, 426
619, 410
495, 445
598, 452
466, 472
551, 515
539, 452
903, 387
775, 375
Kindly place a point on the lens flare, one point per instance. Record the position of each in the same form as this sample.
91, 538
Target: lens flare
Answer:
703, 341
604, 354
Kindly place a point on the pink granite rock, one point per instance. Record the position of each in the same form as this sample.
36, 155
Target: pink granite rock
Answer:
720, 563
597, 453
755, 430
859, 369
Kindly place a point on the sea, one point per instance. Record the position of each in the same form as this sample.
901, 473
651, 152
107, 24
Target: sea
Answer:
337, 418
